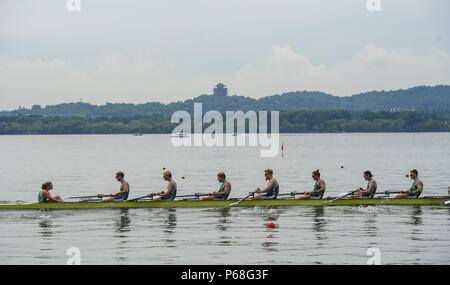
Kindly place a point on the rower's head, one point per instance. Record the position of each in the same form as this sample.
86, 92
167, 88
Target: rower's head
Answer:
316, 174
367, 175
221, 176
268, 173
413, 174
120, 175
47, 186
167, 175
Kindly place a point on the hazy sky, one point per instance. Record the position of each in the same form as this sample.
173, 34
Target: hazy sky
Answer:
168, 50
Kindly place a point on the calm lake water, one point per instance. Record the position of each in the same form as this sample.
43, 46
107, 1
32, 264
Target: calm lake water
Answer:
86, 164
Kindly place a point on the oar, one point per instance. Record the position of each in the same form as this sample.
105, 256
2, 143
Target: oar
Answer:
192, 195
92, 196
340, 197
300, 193
386, 194
157, 194
294, 193
195, 196
235, 203
143, 197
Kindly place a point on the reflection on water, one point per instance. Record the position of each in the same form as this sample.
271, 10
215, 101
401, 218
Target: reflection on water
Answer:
223, 224
271, 216
122, 226
305, 235
417, 215
416, 221
270, 245
46, 231
123, 222
46, 228
370, 225
170, 226
319, 224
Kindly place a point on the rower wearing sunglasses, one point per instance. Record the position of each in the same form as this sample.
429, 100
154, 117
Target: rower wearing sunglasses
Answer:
416, 188
122, 195
318, 190
272, 189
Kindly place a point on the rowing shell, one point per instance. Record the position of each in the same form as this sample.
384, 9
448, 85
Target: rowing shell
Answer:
246, 203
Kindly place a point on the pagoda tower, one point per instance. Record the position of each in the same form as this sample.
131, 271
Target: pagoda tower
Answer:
220, 90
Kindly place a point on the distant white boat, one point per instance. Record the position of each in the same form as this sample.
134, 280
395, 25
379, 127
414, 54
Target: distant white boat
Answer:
138, 134
179, 135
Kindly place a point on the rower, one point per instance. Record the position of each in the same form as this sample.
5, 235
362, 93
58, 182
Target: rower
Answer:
415, 190
319, 188
122, 195
272, 189
224, 190
45, 196
171, 192
369, 192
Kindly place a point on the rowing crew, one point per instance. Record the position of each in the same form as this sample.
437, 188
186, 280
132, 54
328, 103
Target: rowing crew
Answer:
369, 192
270, 192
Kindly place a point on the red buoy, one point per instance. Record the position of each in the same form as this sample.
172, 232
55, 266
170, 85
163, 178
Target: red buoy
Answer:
182, 177
342, 166
407, 175
164, 168
271, 225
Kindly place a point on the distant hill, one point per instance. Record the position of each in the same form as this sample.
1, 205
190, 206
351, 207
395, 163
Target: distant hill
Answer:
421, 98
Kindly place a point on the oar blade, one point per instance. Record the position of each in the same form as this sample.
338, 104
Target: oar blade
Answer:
232, 204
236, 203
340, 196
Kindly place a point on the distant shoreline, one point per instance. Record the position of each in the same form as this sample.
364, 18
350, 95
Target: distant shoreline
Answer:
303, 121
283, 134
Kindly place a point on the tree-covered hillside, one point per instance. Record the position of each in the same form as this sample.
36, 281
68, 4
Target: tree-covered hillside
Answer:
423, 98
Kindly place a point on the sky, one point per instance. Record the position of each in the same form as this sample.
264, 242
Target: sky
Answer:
171, 50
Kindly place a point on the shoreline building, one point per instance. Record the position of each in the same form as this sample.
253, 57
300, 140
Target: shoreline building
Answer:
220, 90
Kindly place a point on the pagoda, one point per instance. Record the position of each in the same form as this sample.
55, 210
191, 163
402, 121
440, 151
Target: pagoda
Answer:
220, 90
